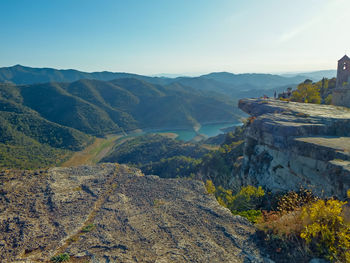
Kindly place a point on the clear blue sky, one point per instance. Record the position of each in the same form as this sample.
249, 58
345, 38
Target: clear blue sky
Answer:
175, 36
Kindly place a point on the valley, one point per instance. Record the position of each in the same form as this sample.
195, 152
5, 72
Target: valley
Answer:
100, 148
92, 153
68, 116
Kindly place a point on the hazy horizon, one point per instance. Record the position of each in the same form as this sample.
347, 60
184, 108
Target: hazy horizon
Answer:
177, 38
175, 75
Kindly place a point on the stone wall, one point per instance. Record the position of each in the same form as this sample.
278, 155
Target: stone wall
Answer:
341, 97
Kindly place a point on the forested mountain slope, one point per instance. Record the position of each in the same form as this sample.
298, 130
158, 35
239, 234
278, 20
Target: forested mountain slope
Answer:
28, 140
98, 107
50, 116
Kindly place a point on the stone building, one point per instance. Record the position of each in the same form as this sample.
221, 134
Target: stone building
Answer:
341, 94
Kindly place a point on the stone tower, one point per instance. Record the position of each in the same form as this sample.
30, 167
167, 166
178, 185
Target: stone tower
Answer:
343, 72
341, 94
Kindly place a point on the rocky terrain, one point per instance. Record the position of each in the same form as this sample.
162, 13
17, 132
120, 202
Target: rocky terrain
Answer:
291, 145
112, 213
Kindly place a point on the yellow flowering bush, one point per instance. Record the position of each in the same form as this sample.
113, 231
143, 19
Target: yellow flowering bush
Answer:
210, 187
326, 229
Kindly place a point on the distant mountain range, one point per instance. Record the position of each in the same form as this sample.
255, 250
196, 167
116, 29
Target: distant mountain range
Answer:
226, 83
314, 75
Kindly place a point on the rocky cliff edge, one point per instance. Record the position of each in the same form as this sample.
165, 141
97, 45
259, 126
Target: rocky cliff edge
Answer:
112, 213
291, 145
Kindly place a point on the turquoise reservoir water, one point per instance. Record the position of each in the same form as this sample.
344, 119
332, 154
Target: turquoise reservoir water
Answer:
209, 130
185, 135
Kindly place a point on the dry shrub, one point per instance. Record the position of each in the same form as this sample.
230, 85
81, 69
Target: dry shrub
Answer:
287, 219
294, 200
282, 236
251, 119
282, 228
346, 213
282, 224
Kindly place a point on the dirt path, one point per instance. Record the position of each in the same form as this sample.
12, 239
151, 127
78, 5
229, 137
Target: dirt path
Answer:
88, 225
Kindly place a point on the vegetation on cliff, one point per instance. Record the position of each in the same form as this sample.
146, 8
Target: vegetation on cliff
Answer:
327, 229
219, 165
244, 203
314, 92
295, 226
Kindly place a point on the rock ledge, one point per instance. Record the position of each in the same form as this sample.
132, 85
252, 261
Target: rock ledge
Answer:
112, 213
289, 145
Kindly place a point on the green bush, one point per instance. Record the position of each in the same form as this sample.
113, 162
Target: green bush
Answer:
328, 99
252, 215
88, 228
60, 258
244, 203
247, 198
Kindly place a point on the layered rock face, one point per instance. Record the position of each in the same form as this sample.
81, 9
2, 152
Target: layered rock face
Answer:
291, 145
112, 213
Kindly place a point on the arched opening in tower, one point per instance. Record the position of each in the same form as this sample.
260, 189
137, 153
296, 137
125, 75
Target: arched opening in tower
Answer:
345, 66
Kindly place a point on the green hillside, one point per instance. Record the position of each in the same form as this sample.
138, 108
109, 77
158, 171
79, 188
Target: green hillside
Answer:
150, 148
44, 121
99, 107
31, 155
28, 140
111, 99
18, 150
159, 155
57, 105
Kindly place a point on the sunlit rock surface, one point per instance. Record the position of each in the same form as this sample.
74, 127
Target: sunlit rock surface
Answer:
291, 145
112, 213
